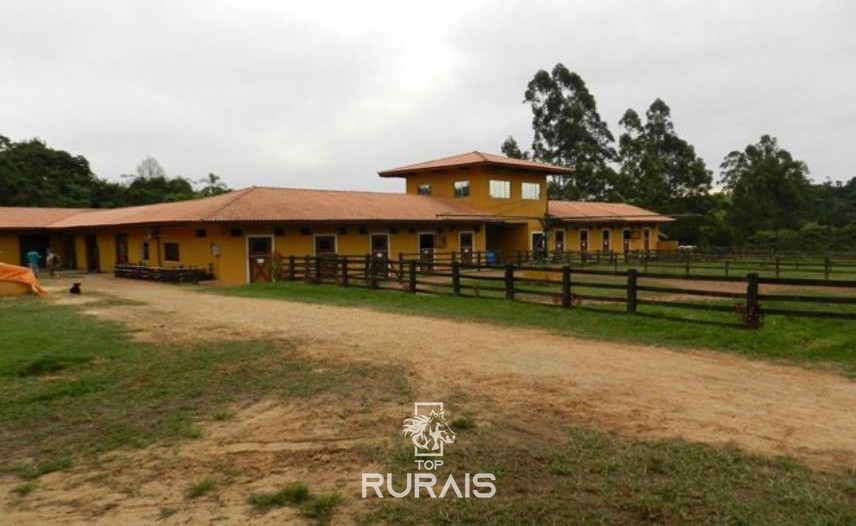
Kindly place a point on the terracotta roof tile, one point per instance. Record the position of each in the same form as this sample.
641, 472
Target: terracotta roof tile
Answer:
472, 159
253, 204
20, 217
595, 212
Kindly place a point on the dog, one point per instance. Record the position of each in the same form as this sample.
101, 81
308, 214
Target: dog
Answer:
75, 289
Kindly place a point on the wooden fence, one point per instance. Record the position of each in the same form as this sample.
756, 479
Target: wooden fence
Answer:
568, 287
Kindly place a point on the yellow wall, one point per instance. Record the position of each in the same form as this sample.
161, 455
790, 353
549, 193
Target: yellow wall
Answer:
230, 266
442, 185
595, 239
513, 209
9, 249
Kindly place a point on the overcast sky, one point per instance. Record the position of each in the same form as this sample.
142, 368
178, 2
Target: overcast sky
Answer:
324, 94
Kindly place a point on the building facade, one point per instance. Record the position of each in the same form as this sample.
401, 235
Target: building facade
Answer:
466, 203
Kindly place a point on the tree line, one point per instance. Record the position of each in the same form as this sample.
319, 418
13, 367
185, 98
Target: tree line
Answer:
765, 197
33, 174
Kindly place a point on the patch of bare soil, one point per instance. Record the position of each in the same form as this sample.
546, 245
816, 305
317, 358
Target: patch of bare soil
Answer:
265, 447
551, 381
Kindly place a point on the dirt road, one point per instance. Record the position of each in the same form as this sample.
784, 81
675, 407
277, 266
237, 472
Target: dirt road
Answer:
550, 381
703, 396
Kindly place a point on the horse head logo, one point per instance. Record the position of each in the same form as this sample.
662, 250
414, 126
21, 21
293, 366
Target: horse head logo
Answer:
429, 432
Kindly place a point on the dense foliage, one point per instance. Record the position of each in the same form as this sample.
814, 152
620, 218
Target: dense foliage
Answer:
33, 174
765, 198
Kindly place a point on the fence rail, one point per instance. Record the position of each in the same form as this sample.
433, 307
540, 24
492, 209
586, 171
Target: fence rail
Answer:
568, 287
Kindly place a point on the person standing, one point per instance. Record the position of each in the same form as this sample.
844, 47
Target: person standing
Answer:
33, 258
53, 262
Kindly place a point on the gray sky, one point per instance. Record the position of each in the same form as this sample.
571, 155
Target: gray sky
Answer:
324, 94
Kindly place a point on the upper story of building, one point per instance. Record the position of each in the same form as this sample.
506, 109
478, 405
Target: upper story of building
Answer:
497, 185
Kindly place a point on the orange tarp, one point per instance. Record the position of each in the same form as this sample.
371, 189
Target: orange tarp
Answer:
21, 275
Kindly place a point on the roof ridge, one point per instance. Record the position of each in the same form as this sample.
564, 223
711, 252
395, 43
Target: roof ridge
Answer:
237, 194
335, 190
481, 156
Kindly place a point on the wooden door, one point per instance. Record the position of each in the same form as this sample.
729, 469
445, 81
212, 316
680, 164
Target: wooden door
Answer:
426, 250
605, 245
121, 248
465, 242
559, 240
259, 254
325, 254
584, 241
93, 263
379, 244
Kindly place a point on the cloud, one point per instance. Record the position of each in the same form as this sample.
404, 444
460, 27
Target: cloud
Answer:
325, 94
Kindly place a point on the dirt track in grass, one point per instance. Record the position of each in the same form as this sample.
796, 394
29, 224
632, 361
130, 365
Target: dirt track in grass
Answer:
550, 380
699, 395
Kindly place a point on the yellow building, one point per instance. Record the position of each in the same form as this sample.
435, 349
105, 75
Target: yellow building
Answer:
469, 203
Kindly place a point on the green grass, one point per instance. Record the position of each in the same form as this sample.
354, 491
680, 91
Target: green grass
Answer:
293, 494
592, 477
318, 507
818, 342
203, 487
72, 385
322, 507
24, 489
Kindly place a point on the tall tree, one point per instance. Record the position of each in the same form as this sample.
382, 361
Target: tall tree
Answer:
149, 167
212, 185
569, 132
769, 189
661, 171
511, 149
31, 174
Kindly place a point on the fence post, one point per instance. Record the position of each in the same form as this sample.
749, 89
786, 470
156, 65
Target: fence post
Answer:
400, 267
344, 272
509, 282
631, 291
291, 272
411, 277
826, 268
307, 272
453, 257
456, 277
726, 268
752, 316
645, 262
615, 263
373, 271
519, 258
778, 264
566, 286
478, 259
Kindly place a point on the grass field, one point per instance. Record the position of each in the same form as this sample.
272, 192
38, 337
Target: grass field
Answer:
594, 478
73, 386
826, 343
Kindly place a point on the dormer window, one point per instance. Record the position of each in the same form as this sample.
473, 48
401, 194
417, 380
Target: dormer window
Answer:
462, 189
424, 189
530, 191
500, 189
